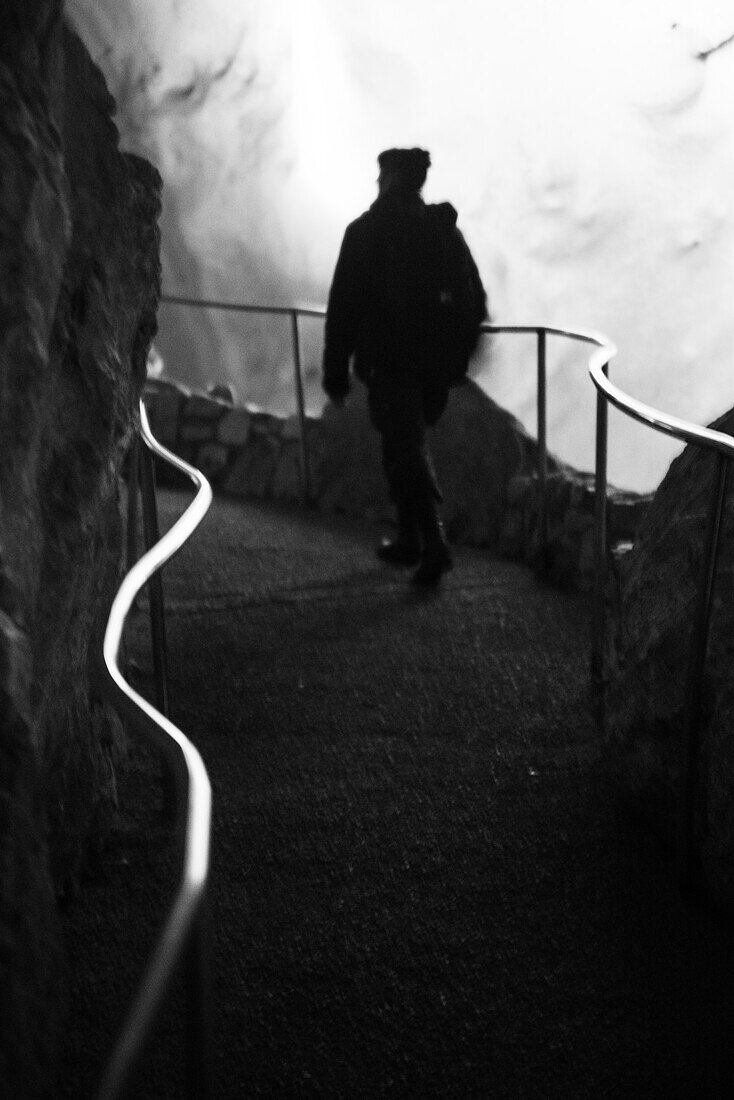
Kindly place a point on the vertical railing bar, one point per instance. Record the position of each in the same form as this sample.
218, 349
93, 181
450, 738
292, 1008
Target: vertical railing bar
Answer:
131, 529
301, 410
600, 541
542, 447
694, 682
133, 488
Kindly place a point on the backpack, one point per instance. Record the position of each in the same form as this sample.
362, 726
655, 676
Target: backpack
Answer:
427, 297
459, 300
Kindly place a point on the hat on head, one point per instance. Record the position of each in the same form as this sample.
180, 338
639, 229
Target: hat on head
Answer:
410, 165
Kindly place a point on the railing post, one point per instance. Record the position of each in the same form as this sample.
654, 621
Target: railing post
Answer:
542, 449
600, 542
694, 683
301, 409
133, 488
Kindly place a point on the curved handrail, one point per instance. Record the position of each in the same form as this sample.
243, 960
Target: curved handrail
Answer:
244, 307
585, 335
605, 351
660, 421
192, 783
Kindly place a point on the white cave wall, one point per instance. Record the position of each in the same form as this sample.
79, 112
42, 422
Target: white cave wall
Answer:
589, 151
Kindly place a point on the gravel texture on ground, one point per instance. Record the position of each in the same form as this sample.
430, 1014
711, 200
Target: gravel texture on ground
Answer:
423, 883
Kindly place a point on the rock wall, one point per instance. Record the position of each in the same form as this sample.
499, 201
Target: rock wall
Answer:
484, 459
78, 293
567, 558
650, 644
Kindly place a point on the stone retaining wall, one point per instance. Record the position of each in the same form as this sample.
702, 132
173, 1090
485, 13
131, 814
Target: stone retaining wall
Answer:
570, 506
484, 458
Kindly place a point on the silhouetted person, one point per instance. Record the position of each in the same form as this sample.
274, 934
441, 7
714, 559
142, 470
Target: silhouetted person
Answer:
406, 301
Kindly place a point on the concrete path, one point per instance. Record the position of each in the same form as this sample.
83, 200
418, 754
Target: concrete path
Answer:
423, 881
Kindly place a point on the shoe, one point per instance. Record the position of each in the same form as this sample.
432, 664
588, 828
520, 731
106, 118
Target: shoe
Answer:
436, 557
405, 548
397, 552
435, 562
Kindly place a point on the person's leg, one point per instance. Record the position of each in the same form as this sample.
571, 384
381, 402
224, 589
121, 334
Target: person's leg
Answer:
435, 555
388, 412
405, 548
435, 559
399, 412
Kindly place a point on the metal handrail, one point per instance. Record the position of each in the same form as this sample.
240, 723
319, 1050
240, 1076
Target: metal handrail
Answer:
605, 351
660, 421
244, 307
723, 447
293, 312
183, 931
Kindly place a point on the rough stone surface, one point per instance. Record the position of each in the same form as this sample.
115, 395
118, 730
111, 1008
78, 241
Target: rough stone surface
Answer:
78, 291
650, 643
348, 478
163, 403
287, 473
212, 459
485, 461
234, 428
566, 554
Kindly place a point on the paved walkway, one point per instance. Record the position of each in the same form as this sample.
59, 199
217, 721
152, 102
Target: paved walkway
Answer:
423, 882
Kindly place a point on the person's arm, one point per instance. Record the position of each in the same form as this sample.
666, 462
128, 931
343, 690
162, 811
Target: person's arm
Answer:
342, 318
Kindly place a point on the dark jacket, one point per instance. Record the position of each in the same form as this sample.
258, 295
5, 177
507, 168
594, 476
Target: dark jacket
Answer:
381, 303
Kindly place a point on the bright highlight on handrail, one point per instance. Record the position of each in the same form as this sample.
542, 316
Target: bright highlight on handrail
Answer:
183, 925
660, 421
